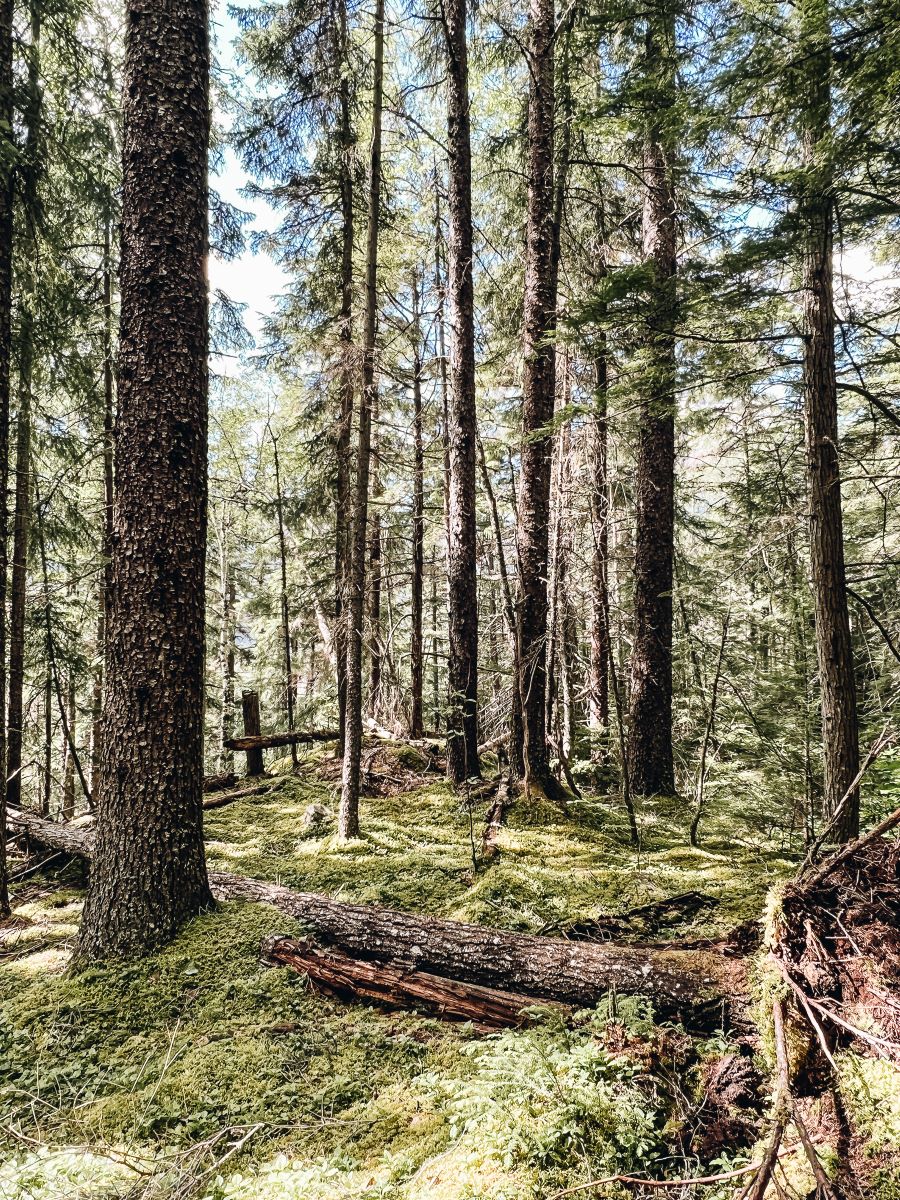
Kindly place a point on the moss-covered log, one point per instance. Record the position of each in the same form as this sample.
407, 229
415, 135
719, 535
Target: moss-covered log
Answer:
703, 988
271, 741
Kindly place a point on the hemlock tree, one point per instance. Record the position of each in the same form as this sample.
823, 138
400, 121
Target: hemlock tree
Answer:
834, 648
538, 396
348, 812
7, 151
462, 736
149, 870
650, 745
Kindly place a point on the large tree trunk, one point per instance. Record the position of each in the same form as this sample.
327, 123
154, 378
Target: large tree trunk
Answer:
650, 747
704, 988
150, 869
347, 376
538, 394
462, 731
30, 171
834, 649
416, 654
348, 813
7, 159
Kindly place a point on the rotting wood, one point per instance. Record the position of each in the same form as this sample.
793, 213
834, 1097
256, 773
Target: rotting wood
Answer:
336, 973
271, 741
221, 799
702, 988
496, 817
219, 783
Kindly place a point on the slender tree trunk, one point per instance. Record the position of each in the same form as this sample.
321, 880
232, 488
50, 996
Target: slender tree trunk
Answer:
6, 235
834, 648
598, 689
440, 292
347, 376
538, 393
462, 735
348, 813
19, 581
285, 612
435, 655
650, 745
416, 722
149, 872
68, 801
226, 651
376, 641
47, 774
30, 171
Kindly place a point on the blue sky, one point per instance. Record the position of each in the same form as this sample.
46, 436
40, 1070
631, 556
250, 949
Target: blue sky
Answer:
252, 279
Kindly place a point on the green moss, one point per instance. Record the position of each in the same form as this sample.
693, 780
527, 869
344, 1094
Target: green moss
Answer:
171, 1060
870, 1088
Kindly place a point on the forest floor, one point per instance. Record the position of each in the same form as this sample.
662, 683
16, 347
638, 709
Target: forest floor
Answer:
199, 1074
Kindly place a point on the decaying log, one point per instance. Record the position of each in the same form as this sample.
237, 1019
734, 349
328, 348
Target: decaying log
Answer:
496, 816
258, 789
339, 974
270, 741
219, 783
702, 988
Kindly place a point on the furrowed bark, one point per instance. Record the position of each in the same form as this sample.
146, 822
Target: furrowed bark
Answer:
347, 378
6, 247
834, 648
538, 394
462, 733
150, 869
651, 765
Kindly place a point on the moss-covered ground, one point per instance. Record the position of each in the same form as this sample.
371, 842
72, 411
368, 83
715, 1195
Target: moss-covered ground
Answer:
198, 1073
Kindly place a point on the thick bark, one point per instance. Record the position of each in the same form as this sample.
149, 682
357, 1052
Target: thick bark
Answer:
538, 392
650, 746
834, 648
462, 664
6, 235
345, 417
348, 813
416, 653
150, 869
700, 986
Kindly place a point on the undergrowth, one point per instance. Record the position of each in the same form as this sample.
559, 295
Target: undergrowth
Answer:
198, 1073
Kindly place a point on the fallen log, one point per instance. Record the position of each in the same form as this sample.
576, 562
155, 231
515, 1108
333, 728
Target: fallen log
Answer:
339, 974
701, 988
496, 817
219, 783
222, 798
270, 741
